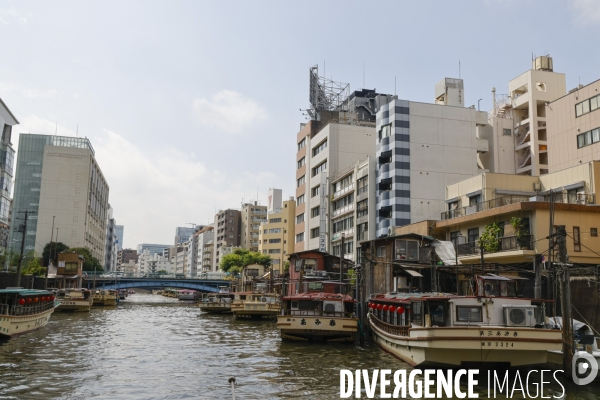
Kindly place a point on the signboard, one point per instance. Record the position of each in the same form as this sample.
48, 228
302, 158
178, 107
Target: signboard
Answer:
323, 213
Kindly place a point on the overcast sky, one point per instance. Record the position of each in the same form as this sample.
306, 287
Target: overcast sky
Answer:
193, 106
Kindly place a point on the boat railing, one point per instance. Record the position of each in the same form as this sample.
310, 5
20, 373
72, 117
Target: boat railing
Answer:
3, 309
29, 309
313, 313
398, 330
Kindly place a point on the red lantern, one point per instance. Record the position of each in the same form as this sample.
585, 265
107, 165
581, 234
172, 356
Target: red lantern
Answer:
29, 300
22, 301
51, 297
36, 300
44, 299
400, 310
385, 308
371, 306
392, 308
379, 306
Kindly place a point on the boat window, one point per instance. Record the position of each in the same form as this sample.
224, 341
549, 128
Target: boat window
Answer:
417, 309
294, 304
315, 286
437, 314
468, 314
306, 305
491, 288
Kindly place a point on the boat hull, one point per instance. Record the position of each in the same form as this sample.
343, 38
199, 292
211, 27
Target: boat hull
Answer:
11, 326
66, 305
320, 328
215, 308
187, 297
455, 346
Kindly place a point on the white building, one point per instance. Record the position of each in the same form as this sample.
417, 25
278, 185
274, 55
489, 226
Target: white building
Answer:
201, 252
153, 263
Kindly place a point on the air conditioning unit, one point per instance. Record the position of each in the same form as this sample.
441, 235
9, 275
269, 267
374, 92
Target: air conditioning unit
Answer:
519, 315
309, 272
391, 230
322, 274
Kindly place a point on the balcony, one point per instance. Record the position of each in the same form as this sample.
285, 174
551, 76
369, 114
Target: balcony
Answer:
509, 243
338, 235
343, 191
343, 210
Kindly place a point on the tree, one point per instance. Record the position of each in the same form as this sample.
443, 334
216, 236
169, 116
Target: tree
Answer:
90, 263
55, 248
489, 238
9, 256
32, 265
240, 258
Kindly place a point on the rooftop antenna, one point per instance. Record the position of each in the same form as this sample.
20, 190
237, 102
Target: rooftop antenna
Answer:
394, 86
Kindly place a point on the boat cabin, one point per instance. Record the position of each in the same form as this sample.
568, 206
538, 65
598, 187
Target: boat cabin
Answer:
256, 297
19, 301
319, 304
74, 294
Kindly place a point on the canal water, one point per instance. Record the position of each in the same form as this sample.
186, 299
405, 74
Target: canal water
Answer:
153, 347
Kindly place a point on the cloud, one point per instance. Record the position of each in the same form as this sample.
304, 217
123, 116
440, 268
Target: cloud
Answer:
587, 11
12, 88
229, 111
11, 15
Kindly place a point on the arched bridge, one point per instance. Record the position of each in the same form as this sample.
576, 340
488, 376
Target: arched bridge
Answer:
203, 285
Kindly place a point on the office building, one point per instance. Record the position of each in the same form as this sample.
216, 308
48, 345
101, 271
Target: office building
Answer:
182, 234
125, 256
59, 180
119, 231
110, 252
227, 233
276, 238
153, 248
252, 215
7, 154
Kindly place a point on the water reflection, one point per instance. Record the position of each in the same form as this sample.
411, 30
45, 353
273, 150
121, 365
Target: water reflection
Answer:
152, 347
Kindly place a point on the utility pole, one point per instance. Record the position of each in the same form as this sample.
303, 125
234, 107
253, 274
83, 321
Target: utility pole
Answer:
565, 301
50, 257
481, 253
433, 270
26, 212
342, 260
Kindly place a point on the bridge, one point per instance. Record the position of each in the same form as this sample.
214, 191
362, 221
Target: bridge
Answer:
202, 285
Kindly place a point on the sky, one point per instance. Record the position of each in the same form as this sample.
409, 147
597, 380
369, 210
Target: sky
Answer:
193, 106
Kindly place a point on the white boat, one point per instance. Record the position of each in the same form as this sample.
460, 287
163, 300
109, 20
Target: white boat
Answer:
255, 305
218, 303
187, 295
494, 326
24, 310
75, 300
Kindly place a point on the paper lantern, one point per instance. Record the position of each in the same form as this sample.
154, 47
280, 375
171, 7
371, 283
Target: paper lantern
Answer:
379, 306
22, 301
29, 300
385, 308
400, 310
36, 300
392, 308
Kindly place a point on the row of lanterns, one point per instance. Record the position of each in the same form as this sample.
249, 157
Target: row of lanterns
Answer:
30, 300
392, 308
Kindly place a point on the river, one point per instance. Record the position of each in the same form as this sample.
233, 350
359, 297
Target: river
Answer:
153, 347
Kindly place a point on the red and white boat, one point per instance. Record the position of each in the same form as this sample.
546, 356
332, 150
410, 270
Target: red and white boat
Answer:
24, 310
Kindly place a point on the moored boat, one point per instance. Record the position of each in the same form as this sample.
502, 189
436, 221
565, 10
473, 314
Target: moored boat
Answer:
122, 294
187, 295
255, 305
318, 316
24, 310
74, 300
105, 297
494, 326
218, 303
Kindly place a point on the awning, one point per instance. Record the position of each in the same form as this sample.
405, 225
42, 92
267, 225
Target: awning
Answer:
576, 185
475, 193
413, 273
514, 192
445, 251
453, 200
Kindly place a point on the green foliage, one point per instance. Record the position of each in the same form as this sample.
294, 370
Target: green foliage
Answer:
240, 258
31, 265
10, 257
519, 225
162, 272
55, 248
286, 267
489, 238
351, 274
89, 262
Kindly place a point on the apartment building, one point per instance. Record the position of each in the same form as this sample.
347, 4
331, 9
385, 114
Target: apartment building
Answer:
7, 155
152, 263
181, 258
574, 127
276, 237
59, 179
421, 148
227, 228
207, 257
126, 255
352, 209
252, 216
195, 250
110, 252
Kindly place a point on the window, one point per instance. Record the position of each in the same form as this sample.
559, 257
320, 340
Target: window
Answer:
506, 132
314, 233
343, 202
587, 138
348, 248
381, 251
417, 311
362, 231
362, 185
594, 232
362, 208
343, 224
587, 106
301, 162
347, 181
576, 239
385, 131
274, 251
468, 314
319, 148
274, 220
319, 168
300, 218
300, 200
473, 201
407, 250
300, 181
314, 212
274, 240
302, 144
274, 230
473, 235
300, 237
454, 237
314, 191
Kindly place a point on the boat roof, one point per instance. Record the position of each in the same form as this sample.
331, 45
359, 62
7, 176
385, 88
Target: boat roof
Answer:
23, 292
319, 296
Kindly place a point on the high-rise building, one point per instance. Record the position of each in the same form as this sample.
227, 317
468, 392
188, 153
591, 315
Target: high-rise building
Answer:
110, 253
182, 234
252, 216
227, 233
341, 132
152, 264
276, 237
7, 154
153, 248
119, 231
59, 180
202, 254
124, 256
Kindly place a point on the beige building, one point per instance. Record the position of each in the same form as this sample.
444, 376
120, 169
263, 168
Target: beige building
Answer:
59, 179
574, 127
276, 237
252, 216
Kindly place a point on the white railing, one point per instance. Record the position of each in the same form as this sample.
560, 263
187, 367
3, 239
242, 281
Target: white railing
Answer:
343, 210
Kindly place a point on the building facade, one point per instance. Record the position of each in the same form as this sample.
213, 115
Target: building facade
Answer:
276, 237
227, 228
202, 252
252, 216
124, 256
153, 248
119, 231
7, 154
182, 234
110, 252
152, 264
59, 180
